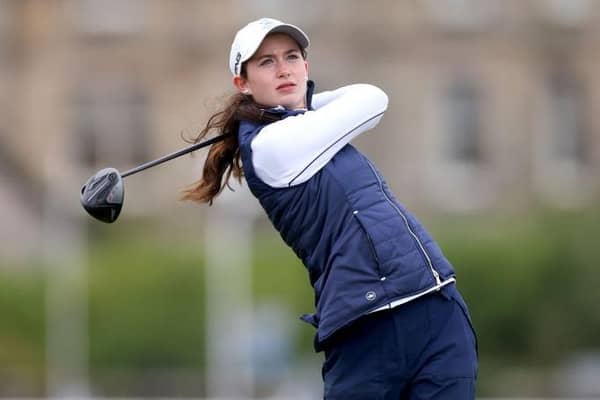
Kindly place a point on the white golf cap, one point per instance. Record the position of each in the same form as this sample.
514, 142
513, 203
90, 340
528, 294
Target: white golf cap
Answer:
248, 39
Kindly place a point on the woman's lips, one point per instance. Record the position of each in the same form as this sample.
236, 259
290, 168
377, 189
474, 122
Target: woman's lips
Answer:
286, 87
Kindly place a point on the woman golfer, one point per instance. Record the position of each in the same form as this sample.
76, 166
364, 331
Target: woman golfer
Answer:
388, 315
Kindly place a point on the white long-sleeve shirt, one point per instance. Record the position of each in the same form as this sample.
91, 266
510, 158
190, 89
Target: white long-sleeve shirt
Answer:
290, 151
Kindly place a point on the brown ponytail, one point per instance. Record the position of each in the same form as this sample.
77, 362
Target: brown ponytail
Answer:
223, 158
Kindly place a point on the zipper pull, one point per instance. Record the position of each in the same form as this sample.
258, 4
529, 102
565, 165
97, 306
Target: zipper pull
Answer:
436, 275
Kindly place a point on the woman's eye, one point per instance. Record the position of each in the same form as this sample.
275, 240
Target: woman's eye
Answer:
265, 62
293, 57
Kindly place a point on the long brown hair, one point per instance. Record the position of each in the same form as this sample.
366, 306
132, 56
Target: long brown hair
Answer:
223, 159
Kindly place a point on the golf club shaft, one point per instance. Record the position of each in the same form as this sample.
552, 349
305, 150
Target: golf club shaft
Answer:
171, 156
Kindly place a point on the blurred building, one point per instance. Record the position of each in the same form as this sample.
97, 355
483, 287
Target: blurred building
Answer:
492, 103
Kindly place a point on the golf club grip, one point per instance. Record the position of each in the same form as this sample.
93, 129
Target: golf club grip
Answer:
176, 154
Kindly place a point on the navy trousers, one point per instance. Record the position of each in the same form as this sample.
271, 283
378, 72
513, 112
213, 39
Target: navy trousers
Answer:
424, 349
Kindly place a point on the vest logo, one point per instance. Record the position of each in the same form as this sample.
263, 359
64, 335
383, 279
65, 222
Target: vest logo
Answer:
370, 296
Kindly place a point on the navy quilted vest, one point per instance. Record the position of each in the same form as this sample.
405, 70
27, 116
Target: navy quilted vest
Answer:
361, 247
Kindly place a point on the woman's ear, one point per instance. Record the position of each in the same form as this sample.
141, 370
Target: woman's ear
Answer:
241, 84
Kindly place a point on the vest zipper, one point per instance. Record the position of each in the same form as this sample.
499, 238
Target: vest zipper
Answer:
436, 275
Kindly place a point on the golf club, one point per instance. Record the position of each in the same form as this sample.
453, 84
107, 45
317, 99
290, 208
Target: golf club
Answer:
103, 194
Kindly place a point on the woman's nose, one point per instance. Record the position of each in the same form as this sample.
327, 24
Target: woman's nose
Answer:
283, 72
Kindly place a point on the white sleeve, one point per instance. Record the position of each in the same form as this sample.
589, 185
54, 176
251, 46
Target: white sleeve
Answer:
290, 151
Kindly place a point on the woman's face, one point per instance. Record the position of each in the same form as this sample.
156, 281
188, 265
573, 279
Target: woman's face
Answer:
276, 74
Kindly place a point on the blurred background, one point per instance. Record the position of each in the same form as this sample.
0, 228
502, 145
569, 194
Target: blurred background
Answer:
492, 138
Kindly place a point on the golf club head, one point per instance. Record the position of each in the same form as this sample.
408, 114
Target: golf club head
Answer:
103, 194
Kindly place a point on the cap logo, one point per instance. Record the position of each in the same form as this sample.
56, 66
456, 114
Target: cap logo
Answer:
266, 23
238, 57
